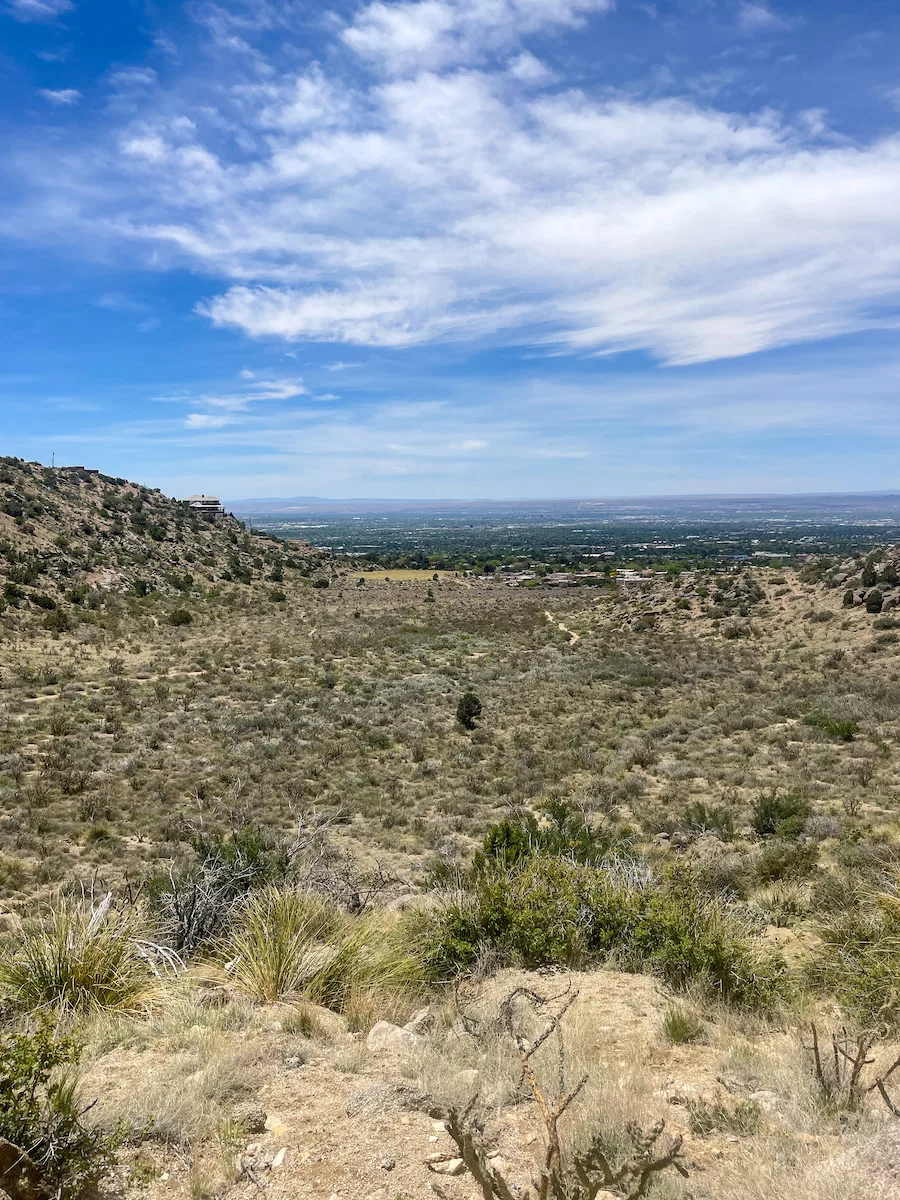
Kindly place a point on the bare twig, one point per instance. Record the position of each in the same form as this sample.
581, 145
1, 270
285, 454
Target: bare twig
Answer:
589, 1172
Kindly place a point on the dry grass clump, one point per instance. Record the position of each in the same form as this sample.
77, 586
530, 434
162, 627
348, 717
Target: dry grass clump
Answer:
191, 1088
296, 944
75, 959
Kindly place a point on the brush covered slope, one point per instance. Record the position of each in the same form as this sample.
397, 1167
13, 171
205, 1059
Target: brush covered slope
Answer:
679, 799
69, 535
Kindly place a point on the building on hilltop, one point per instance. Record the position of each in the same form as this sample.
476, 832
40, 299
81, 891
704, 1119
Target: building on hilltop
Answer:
210, 506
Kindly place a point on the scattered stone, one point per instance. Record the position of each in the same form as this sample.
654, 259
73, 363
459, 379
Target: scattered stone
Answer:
387, 1097
383, 1036
388, 1163
248, 1117
420, 1021
281, 1158
442, 1164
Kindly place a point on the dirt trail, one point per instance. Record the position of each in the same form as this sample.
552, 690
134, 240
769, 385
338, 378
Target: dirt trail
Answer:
573, 636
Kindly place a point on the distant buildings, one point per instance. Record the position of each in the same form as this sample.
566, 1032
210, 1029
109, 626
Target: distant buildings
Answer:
209, 506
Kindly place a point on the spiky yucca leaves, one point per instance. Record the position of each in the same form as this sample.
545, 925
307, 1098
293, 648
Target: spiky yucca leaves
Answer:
77, 960
374, 975
285, 944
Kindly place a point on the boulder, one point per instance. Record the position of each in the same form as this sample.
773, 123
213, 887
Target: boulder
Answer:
248, 1117
383, 1036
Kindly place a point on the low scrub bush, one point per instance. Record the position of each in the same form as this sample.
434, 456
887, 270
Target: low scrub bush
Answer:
777, 815
786, 860
561, 831
841, 731
48, 1149
551, 912
859, 962
76, 960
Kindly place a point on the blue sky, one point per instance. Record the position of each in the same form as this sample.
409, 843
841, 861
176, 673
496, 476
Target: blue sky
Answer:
453, 247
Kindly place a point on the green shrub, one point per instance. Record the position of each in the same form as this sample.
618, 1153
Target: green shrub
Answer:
842, 731
468, 709
786, 860
564, 832
41, 1116
72, 961
179, 616
57, 621
859, 962
547, 911
777, 814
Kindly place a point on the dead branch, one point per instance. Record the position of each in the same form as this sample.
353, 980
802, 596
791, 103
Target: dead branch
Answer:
588, 1172
20, 1177
844, 1078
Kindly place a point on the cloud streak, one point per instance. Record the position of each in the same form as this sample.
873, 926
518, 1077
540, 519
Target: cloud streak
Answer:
39, 10
456, 192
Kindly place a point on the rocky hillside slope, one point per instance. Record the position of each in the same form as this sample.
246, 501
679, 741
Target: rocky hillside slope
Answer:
69, 536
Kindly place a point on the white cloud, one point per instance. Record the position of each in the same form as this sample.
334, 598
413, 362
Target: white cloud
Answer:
131, 77
65, 96
530, 70
39, 10
207, 421
453, 204
759, 18
428, 34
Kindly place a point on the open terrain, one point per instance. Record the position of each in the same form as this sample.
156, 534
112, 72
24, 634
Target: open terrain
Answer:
712, 753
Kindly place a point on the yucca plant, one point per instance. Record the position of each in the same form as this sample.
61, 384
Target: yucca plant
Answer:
297, 944
374, 974
77, 959
280, 940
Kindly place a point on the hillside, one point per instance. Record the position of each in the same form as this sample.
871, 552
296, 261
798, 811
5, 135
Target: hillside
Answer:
70, 536
679, 796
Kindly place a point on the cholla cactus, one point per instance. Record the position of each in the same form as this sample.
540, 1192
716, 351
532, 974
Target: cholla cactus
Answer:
588, 1173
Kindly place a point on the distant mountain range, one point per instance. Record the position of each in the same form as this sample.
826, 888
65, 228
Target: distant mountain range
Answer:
872, 504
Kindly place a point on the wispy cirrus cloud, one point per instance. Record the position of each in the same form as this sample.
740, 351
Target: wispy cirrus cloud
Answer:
64, 96
760, 18
38, 10
455, 192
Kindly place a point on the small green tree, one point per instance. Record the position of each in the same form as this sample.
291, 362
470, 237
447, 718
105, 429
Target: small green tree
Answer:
180, 616
45, 1148
874, 601
869, 576
848, 598
468, 709
889, 575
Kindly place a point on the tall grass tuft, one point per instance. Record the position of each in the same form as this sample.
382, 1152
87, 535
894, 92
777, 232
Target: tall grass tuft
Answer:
374, 976
297, 944
71, 961
280, 940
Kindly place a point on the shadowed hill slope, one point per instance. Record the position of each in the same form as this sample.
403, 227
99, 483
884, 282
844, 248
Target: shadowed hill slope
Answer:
69, 535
